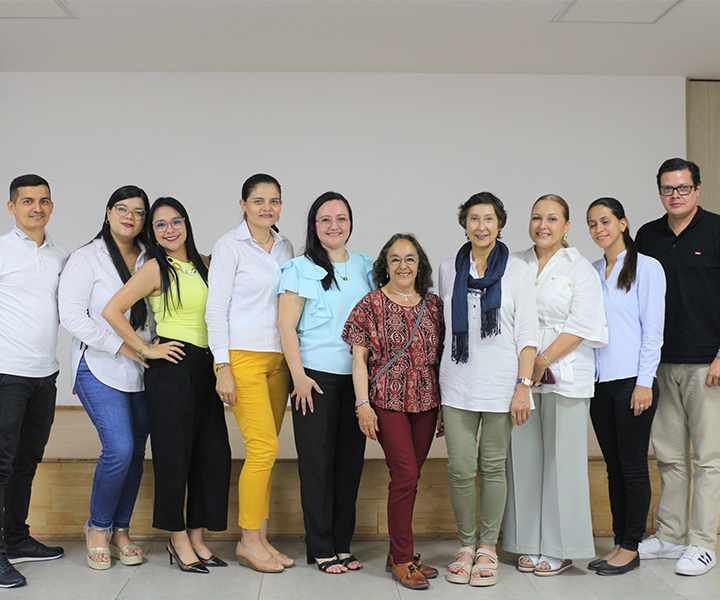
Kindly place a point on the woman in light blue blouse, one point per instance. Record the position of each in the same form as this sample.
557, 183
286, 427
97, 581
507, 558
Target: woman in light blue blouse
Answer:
318, 290
626, 391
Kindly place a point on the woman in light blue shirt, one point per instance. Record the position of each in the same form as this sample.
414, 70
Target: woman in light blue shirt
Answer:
318, 290
626, 391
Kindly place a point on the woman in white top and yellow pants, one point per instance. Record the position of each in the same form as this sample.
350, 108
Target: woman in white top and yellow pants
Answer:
547, 515
253, 377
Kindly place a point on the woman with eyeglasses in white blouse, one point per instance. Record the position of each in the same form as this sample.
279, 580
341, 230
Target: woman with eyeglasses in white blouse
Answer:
547, 515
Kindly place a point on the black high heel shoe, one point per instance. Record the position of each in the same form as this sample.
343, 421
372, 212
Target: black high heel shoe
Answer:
196, 567
213, 561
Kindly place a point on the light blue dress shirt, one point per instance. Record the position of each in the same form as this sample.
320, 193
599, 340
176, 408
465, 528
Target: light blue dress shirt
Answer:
635, 322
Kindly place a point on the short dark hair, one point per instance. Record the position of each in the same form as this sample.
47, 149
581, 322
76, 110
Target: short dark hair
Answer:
680, 164
29, 180
482, 198
423, 282
314, 249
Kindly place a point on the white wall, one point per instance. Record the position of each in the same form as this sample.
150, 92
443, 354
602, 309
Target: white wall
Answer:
406, 150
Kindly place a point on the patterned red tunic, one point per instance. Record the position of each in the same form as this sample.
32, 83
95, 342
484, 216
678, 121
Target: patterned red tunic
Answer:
383, 327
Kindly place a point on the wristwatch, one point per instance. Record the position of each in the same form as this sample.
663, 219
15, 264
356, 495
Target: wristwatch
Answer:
526, 381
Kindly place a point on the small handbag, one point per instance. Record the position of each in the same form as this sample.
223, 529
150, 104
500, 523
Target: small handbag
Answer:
548, 377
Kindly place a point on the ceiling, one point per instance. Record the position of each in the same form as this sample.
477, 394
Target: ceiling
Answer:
412, 36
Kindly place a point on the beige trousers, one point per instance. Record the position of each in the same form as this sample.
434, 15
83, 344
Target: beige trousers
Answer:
548, 502
688, 413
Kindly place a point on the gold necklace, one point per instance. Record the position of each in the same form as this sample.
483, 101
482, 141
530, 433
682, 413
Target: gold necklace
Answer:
270, 239
176, 265
344, 277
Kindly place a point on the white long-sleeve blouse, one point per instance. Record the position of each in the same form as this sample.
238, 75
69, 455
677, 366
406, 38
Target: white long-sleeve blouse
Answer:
569, 300
87, 283
242, 304
486, 383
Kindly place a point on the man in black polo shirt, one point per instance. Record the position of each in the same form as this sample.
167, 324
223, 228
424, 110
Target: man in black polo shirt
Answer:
686, 241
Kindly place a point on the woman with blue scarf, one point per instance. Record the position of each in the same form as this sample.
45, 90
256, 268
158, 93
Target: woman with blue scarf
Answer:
485, 378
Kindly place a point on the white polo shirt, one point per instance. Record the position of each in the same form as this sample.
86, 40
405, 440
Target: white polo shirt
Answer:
28, 304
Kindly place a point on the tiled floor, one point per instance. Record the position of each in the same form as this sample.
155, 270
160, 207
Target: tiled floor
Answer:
70, 578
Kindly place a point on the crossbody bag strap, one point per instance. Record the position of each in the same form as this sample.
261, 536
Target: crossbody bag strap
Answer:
405, 347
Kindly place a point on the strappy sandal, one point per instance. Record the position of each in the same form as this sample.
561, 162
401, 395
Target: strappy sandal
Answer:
125, 554
556, 565
326, 564
348, 560
102, 564
463, 568
533, 558
478, 580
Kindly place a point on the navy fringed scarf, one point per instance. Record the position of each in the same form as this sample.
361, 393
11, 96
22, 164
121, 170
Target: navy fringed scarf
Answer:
490, 285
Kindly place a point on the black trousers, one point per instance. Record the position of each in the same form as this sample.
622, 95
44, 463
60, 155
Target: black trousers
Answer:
189, 442
624, 440
331, 454
27, 410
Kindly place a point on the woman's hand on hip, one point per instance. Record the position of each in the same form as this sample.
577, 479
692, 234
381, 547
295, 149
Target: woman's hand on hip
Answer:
169, 351
225, 386
303, 393
368, 421
642, 399
520, 405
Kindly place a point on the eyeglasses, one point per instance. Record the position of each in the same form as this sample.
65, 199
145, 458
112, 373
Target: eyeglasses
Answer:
176, 223
683, 190
326, 222
410, 261
123, 211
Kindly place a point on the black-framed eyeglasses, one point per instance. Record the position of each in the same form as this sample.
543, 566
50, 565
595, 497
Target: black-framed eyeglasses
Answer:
123, 211
683, 190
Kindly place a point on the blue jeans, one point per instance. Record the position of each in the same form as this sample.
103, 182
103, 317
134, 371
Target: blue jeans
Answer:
121, 420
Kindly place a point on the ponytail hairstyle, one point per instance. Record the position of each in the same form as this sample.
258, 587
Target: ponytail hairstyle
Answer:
167, 272
138, 312
565, 211
314, 249
258, 179
629, 268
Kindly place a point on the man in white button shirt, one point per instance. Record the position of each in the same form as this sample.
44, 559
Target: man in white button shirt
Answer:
30, 266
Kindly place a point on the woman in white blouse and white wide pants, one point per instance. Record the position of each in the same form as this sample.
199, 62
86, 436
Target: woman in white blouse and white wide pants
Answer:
547, 515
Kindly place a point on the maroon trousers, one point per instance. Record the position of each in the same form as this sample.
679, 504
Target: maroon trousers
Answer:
405, 439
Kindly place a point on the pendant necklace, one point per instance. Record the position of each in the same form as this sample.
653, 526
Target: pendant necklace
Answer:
344, 277
406, 296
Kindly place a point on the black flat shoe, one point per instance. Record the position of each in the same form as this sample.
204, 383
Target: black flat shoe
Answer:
196, 567
608, 569
593, 565
213, 561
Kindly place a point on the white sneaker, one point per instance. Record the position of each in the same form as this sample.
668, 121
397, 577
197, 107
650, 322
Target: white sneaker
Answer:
654, 547
696, 560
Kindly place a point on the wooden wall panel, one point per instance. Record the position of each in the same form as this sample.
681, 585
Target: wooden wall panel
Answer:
703, 137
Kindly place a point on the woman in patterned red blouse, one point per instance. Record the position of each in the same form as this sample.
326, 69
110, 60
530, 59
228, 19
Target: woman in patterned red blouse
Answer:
396, 335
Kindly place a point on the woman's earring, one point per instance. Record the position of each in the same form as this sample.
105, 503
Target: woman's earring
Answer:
499, 235
467, 237
565, 238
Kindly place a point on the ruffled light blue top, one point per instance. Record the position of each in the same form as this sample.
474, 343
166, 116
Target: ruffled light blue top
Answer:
325, 312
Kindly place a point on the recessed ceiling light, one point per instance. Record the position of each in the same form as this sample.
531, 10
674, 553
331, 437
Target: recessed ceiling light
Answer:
34, 9
615, 11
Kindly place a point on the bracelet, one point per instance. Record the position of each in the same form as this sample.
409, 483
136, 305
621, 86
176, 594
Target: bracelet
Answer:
219, 366
359, 403
141, 351
546, 358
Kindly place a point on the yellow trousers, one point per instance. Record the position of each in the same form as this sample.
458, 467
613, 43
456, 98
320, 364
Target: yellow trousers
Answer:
262, 385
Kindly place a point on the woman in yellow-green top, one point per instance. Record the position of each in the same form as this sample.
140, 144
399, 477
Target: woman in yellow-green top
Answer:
189, 437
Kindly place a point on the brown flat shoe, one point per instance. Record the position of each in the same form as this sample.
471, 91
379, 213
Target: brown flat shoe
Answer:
429, 572
409, 576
